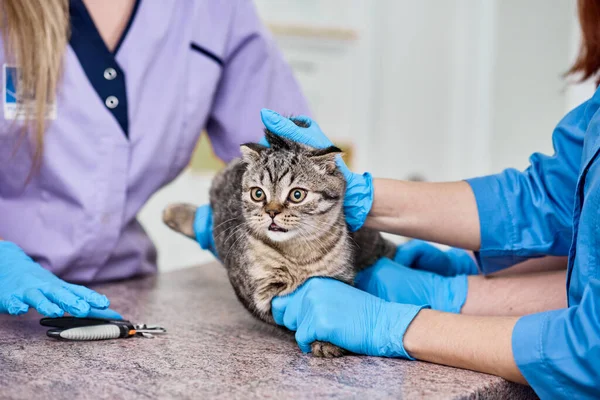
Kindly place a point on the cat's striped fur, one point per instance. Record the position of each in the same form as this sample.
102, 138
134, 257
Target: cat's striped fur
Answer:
262, 263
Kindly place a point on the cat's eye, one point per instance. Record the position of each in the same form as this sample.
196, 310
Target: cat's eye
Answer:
257, 194
297, 195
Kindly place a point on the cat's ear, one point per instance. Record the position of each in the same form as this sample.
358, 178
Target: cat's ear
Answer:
325, 159
251, 152
278, 142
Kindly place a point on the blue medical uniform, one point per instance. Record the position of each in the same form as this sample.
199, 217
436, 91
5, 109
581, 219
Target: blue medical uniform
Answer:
553, 208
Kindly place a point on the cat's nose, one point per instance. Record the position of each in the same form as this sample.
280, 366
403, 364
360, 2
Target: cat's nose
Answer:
273, 209
273, 213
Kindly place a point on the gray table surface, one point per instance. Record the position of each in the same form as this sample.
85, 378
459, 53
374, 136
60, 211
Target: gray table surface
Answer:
214, 349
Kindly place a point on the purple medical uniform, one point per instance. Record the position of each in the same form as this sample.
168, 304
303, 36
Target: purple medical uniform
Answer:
126, 125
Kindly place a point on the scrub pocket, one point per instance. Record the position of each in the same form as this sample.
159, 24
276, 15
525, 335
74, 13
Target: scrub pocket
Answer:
203, 74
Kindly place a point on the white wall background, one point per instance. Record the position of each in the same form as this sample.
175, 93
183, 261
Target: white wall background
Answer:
442, 89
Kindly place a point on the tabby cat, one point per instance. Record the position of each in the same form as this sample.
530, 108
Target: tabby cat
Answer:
278, 220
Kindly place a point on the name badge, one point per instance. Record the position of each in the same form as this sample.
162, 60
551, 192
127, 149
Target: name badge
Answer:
14, 107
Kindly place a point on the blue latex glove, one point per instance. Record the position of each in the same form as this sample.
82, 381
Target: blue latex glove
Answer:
105, 314
393, 282
203, 229
359, 188
24, 283
422, 255
331, 311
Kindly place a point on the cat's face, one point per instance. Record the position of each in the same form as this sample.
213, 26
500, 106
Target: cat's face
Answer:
291, 191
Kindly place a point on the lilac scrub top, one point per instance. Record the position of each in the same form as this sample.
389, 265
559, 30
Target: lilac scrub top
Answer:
126, 124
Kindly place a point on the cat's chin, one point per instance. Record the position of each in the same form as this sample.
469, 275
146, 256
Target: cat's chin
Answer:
279, 236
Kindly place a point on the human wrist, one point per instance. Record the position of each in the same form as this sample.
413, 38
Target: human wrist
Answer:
396, 320
414, 340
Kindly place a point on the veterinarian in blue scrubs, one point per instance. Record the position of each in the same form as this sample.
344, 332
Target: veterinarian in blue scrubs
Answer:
131, 85
525, 328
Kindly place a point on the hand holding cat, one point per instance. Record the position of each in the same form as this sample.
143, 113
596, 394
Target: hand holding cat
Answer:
358, 199
203, 229
393, 282
421, 255
331, 311
24, 283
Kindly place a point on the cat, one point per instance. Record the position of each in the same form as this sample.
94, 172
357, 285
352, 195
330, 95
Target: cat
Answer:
278, 220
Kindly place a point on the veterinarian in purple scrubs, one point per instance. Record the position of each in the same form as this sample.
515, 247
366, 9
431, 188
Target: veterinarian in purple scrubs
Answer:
113, 113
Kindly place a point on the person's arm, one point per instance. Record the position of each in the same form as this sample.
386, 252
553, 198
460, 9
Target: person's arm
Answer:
515, 295
556, 352
437, 212
507, 218
480, 344
474, 294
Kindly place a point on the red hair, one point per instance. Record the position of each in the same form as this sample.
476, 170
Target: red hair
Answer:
587, 63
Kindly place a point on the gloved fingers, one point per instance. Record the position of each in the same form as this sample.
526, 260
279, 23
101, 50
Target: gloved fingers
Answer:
286, 128
408, 253
305, 335
304, 120
36, 299
67, 300
104, 314
93, 298
263, 142
13, 306
365, 282
467, 264
278, 308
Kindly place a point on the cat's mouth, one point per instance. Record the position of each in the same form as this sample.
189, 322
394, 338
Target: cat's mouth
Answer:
276, 228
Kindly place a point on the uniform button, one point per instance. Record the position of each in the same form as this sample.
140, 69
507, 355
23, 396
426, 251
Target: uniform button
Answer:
111, 102
110, 74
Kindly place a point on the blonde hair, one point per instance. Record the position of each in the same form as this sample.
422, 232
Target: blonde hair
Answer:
35, 35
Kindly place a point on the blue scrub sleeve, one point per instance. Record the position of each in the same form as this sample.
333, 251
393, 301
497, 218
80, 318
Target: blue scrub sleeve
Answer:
255, 75
558, 352
530, 214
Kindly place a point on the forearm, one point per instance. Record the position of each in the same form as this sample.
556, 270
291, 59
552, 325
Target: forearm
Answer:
477, 343
439, 212
515, 295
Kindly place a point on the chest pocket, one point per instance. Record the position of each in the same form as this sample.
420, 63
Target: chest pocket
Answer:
203, 73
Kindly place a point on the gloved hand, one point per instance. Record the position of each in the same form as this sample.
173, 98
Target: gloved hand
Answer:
399, 284
359, 188
422, 255
331, 311
203, 229
24, 283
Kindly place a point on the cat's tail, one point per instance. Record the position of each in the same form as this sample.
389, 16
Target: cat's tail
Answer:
180, 218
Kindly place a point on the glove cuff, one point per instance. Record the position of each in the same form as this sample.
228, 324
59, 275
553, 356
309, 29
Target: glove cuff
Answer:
400, 317
457, 293
358, 200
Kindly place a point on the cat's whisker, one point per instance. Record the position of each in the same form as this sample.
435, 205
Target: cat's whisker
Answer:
226, 231
240, 226
224, 222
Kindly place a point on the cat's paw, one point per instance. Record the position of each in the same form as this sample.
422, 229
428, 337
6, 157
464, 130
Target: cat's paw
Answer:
327, 350
180, 218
